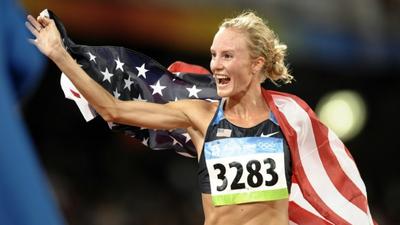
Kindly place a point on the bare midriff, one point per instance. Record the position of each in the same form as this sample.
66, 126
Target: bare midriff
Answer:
257, 213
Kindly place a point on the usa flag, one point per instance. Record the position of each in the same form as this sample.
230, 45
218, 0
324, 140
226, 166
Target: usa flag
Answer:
327, 187
130, 75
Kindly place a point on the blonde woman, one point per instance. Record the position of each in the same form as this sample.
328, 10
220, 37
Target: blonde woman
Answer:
245, 166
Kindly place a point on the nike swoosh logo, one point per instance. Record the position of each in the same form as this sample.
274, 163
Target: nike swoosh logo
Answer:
269, 135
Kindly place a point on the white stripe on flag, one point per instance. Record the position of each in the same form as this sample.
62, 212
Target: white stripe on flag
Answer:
297, 197
346, 163
300, 122
87, 111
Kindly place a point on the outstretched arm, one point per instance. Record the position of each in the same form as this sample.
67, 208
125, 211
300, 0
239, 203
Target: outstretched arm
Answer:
150, 115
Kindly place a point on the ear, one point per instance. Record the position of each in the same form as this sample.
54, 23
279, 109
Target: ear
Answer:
257, 65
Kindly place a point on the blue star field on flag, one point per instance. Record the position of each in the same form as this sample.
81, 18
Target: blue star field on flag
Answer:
132, 76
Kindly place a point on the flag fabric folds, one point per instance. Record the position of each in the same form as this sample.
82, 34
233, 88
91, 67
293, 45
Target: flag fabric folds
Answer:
130, 75
327, 187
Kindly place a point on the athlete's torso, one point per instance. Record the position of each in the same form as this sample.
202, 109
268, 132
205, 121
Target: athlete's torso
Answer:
243, 210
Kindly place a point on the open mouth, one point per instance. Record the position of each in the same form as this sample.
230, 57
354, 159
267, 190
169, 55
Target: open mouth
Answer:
222, 79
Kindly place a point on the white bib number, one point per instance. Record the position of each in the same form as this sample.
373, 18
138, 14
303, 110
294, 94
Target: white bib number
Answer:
246, 170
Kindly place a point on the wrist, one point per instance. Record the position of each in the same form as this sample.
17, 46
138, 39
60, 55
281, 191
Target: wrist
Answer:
58, 54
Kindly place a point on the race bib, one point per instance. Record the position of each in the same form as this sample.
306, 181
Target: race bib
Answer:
247, 169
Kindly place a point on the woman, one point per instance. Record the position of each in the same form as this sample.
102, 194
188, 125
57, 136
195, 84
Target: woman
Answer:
244, 162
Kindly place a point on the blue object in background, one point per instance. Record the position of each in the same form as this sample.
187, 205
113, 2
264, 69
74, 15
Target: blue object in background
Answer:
25, 197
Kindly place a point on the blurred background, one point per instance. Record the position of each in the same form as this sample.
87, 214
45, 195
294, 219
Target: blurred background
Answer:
345, 56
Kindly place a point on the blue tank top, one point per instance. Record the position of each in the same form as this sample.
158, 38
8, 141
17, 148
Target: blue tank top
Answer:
221, 128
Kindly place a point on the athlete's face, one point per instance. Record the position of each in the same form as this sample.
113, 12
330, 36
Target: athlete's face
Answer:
231, 63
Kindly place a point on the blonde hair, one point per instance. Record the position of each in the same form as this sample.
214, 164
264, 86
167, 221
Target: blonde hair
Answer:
262, 42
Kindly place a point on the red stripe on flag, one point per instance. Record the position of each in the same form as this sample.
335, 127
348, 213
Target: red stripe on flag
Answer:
183, 67
76, 94
298, 171
340, 179
303, 217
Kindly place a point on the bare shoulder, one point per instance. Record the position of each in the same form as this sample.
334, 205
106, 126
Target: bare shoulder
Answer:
199, 112
199, 102
194, 105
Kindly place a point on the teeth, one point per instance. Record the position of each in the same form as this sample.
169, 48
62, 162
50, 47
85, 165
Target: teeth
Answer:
220, 76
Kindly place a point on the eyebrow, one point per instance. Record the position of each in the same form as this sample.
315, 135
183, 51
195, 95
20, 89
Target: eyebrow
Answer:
224, 51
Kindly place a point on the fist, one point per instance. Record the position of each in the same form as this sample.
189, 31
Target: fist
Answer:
47, 37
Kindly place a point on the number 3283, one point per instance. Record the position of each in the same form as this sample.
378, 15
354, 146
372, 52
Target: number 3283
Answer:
254, 178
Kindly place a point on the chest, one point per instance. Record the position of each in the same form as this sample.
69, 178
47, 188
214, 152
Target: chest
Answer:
226, 129
245, 164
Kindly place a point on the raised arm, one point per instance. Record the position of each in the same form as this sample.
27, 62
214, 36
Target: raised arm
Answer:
150, 115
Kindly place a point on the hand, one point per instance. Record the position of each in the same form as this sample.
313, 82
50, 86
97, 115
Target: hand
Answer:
48, 39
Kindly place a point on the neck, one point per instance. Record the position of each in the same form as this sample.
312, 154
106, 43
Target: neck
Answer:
247, 106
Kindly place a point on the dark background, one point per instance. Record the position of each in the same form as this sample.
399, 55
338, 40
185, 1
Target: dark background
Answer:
100, 177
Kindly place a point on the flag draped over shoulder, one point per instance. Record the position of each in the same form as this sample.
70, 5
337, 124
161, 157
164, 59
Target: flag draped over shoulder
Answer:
327, 187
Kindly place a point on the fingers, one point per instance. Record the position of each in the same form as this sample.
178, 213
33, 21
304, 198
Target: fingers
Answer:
33, 30
44, 21
35, 24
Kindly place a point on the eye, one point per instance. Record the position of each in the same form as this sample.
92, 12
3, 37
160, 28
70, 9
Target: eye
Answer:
213, 54
227, 56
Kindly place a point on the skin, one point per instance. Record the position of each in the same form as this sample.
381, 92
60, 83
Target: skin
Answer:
245, 107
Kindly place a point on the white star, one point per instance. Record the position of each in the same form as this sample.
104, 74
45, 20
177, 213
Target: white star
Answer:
145, 141
116, 94
92, 57
187, 137
139, 98
111, 124
119, 65
107, 75
142, 71
175, 141
128, 83
193, 91
157, 88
